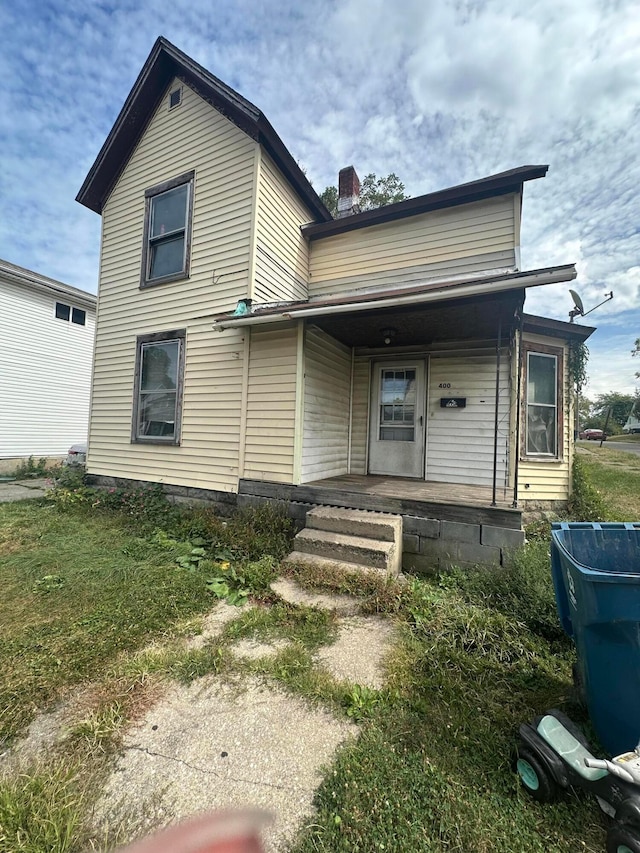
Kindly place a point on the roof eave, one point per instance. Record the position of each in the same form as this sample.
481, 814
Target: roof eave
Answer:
556, 328
163, 64
433, 292
489, 187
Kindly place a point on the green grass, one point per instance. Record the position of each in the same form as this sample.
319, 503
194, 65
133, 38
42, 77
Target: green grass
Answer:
95, 596
78, 590
617, 477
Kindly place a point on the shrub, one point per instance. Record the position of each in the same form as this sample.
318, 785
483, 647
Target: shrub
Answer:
586, 503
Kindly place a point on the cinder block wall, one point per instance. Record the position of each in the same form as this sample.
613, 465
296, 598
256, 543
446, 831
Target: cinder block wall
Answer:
430, 544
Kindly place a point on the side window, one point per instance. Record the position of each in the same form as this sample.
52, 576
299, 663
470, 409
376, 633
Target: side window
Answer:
157, 404
167, 231
543, 403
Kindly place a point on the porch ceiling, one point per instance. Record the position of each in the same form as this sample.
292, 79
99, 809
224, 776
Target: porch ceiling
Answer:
467, 319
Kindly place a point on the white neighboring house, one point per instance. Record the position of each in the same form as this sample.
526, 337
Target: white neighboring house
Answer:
46, 353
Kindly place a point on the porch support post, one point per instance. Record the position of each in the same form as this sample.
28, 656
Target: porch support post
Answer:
518, 410
495, 425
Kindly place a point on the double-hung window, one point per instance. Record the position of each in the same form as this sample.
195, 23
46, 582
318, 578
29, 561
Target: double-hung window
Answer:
157, 404
543, 412
167, 231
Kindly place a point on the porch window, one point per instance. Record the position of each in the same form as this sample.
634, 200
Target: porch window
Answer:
158, 388
542, 404
397, 405
167, 231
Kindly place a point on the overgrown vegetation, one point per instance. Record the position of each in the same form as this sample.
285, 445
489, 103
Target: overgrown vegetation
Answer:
103, 587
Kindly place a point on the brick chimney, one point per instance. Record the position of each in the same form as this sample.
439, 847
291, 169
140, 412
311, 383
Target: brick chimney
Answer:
348, 192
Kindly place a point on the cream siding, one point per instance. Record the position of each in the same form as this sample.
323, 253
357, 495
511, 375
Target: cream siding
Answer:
45, 373
360, 415
471, 238
191, 136
460, 442
541, 480
271, 404
327, 390
282, 254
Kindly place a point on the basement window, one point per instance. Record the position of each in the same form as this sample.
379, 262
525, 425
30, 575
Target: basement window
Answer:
157, 403
167, 231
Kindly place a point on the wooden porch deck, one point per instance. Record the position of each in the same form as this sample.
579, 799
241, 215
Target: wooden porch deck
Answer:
402, 496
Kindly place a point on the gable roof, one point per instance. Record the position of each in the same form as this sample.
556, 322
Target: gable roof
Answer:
494, 185
163, 64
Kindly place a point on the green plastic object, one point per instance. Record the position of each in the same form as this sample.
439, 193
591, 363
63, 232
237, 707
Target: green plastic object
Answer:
570, 749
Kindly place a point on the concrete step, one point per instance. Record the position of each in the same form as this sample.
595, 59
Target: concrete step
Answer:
349, 549
356, 522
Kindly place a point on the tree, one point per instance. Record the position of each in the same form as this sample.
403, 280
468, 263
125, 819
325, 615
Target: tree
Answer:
636, 351
374, 192
620, 405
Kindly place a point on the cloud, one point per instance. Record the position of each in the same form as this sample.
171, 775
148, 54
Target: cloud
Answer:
440, 93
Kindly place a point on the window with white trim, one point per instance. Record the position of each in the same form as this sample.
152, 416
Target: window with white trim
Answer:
157, 405
541, 417
167, 231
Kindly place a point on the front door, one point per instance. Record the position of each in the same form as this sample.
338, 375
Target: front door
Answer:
396, 431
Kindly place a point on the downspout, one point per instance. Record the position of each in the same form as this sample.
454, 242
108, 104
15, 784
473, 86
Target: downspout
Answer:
496, 416
516, 469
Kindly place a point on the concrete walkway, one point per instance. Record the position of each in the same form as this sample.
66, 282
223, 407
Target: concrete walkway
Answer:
230, 742
17, 490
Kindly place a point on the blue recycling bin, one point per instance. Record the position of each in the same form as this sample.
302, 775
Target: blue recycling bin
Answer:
596, 577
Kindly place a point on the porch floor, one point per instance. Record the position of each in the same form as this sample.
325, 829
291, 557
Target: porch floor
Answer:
417, 490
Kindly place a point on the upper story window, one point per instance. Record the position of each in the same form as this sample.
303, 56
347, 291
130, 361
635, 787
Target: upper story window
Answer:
67, 312
543, 403
167, 231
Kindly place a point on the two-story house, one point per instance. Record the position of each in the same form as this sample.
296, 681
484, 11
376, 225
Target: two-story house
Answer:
249, 346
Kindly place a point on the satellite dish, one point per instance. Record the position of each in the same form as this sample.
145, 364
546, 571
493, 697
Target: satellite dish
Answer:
577, 301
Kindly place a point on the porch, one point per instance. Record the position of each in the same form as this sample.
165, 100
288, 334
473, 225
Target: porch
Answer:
444, 524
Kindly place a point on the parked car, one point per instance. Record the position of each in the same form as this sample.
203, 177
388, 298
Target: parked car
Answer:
593, 435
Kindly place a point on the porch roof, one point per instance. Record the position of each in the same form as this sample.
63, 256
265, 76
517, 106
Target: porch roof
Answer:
424, 312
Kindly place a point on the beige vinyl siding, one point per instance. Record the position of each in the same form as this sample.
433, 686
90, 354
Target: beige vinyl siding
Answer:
542, 480
191, 136
327, 389
460, 442
463, 240
271, 404
360, 415
282, 254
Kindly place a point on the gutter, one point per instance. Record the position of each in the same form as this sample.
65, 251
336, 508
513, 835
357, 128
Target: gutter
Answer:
535, 278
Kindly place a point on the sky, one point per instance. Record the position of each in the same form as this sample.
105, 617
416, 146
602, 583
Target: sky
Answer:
438, 91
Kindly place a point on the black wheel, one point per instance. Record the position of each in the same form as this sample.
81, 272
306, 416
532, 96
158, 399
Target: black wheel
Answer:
622, 839
534, 776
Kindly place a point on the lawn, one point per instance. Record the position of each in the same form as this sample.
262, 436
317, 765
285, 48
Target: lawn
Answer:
86, 586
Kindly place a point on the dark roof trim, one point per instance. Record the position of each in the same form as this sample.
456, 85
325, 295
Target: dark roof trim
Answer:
556, 328
163, 64
494, 185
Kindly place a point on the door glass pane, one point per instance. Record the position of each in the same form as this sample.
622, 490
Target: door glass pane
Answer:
397, 405
541, 380
169, 211
167, 257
